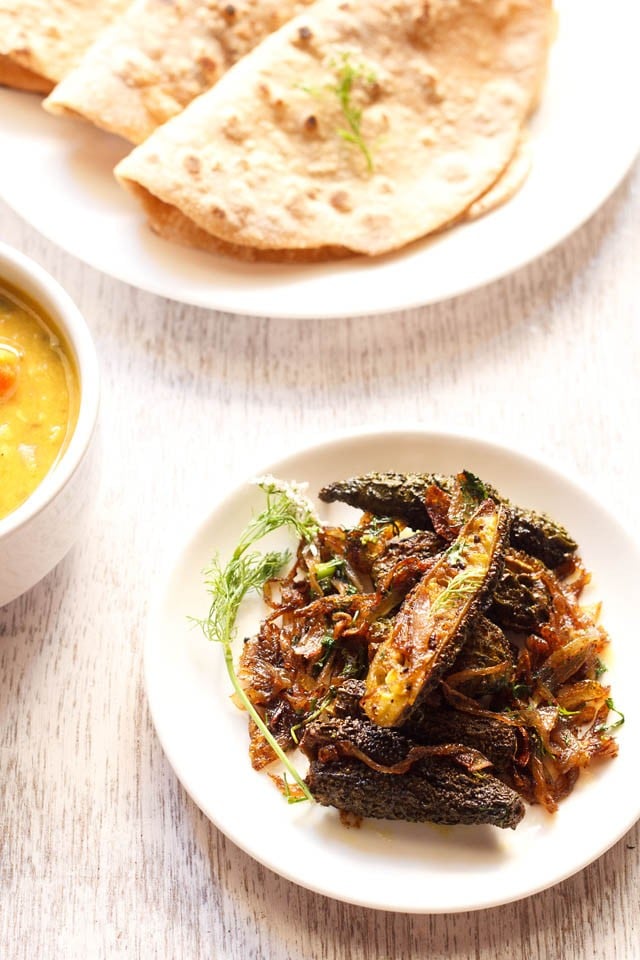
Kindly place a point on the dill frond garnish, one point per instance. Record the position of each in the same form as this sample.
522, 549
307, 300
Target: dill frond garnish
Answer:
248, 570
462, 587
347, 73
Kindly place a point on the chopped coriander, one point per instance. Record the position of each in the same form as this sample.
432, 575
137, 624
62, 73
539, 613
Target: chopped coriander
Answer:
618, 723
601, 668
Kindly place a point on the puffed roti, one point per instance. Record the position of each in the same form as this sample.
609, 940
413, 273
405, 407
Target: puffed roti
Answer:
42, 40
159, 56
266, 164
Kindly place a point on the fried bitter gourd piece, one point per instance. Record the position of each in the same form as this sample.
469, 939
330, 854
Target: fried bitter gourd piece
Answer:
489, 735
521, 601
431, 625
436, 789
386, 495
404, 560
402, 495
370, 771
486, 662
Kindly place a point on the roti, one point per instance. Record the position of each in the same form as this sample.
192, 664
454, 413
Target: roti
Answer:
13, 75
159, 56
507, 185
357, 127
168, 222
41, 40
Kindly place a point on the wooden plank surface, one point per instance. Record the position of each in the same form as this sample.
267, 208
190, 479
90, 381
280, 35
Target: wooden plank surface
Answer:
102, 854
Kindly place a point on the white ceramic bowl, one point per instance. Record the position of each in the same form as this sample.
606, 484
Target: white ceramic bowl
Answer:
35, 536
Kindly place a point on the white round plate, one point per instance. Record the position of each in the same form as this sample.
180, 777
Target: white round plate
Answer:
413, 868
57, 174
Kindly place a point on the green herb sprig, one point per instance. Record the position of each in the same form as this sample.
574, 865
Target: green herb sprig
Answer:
462, 587
323, 571
248, 570
612, 707
317, 709
347, 73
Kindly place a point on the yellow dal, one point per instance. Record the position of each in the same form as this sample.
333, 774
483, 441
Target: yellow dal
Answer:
36, 418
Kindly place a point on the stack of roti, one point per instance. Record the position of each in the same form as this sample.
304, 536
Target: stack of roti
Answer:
159, 56
293, 129
42, 40
358, 127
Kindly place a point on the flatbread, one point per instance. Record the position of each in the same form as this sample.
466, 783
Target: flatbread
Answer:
507, 185
159, 56
168, 222
13, 75
264, 161
41, 40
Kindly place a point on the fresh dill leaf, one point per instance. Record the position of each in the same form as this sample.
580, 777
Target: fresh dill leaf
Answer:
228, 586
347, 74
286, 506
604, 728
463, 586
378, 525
247, 571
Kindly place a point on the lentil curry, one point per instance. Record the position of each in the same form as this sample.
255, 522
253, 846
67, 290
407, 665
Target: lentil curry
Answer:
39, 397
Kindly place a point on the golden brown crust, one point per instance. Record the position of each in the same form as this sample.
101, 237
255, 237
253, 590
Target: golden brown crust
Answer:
13, 75
260, 161
159, 56
46, 38
170, 224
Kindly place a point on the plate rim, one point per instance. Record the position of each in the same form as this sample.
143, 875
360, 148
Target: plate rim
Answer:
327, 440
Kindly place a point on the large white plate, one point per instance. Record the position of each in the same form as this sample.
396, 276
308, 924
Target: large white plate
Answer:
394, 866
57, 175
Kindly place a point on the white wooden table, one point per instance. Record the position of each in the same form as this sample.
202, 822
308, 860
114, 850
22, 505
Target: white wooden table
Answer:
102, 854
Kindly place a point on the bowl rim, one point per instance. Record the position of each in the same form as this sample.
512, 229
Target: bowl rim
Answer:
19, 270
